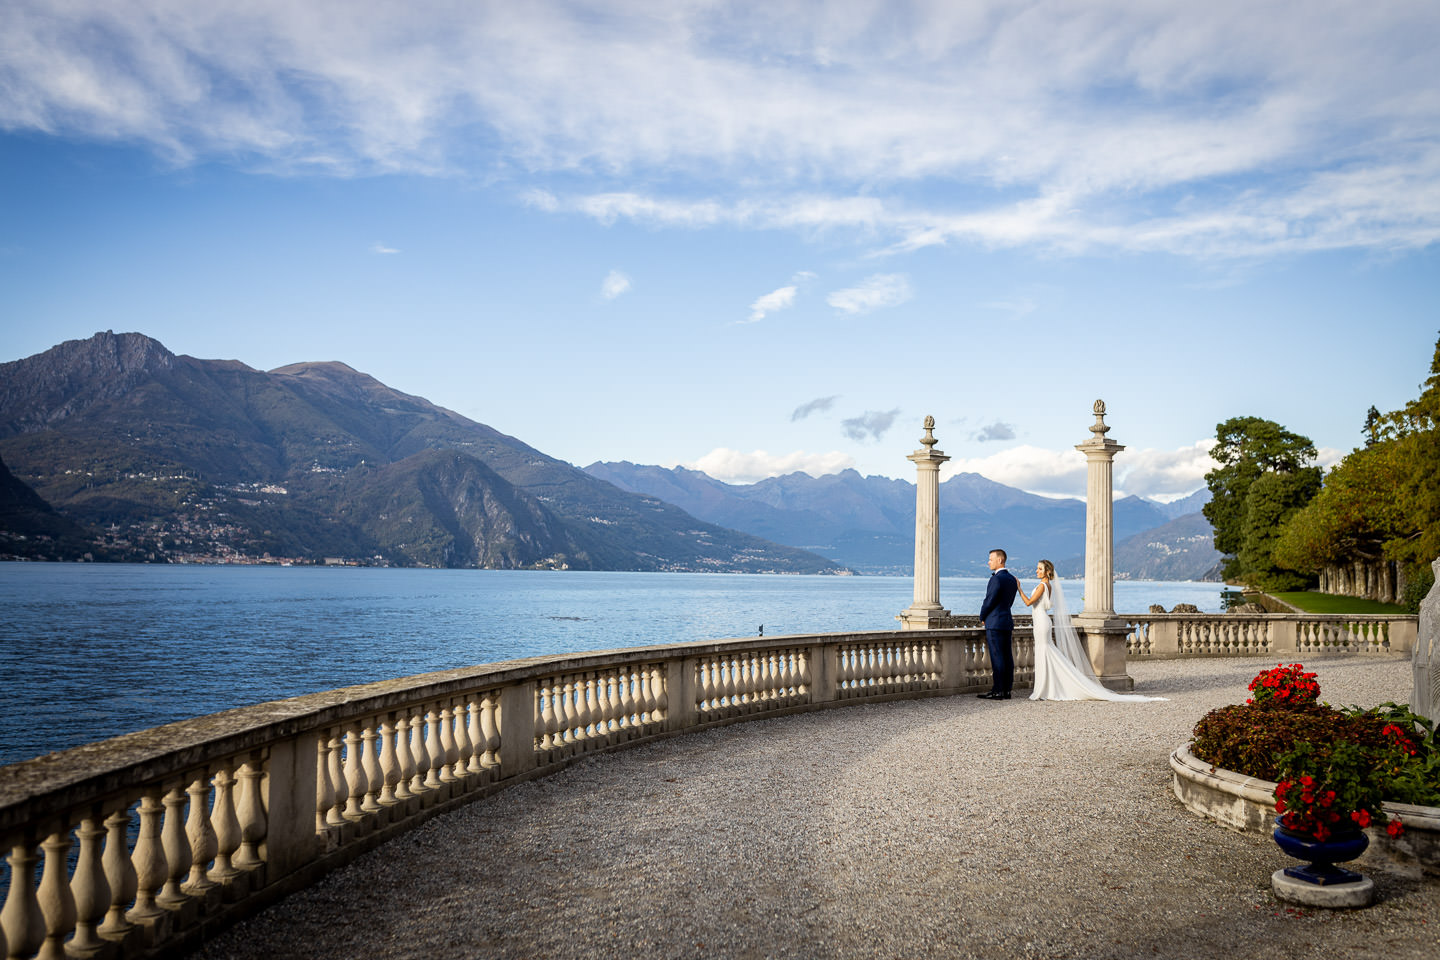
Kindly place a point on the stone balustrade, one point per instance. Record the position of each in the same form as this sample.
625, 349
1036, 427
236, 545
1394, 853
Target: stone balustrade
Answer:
1269, 634
144, 844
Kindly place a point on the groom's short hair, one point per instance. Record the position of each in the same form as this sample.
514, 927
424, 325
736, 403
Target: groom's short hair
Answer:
1003, 557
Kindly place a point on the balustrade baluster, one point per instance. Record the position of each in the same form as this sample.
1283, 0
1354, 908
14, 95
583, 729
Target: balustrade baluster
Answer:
422, 758
119, 875
370, 769
627, 697
201, 834
609, 691
434, 751
250, 810
22, 919
704, 689
227, 826
567, 711
177, 849
448, 752
339, 784
355, 779
91, 890
490, 729
587, 721
150, 866
787, 677
584, 713
403, 758
802, 658
732, 683
660, 685
475, 734
460, 768
652, 698
324, 789
57, 902
389, 765
549, 718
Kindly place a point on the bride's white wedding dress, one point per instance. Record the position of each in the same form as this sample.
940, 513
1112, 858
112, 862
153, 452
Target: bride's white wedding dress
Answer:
1062, 668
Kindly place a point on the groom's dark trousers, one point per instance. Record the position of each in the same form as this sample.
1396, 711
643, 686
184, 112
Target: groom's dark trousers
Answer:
1000, 629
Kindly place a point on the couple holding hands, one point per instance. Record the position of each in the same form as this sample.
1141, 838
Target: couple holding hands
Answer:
1062, 667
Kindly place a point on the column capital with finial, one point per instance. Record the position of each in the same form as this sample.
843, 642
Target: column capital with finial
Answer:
927, 453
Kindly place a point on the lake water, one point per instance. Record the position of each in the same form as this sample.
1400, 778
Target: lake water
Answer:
88, 651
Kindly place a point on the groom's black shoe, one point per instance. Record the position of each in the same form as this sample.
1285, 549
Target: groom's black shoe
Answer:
1001, 696
992, 695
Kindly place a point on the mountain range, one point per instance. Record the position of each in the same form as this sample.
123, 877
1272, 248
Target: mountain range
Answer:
868, 523
172, 457
121, 449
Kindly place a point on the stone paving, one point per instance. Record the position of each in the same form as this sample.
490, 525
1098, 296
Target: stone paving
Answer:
949, 827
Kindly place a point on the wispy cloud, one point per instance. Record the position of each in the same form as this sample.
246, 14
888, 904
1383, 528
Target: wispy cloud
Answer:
379, 247
994, 431
880, 290
614, 284
734, 466
770, 302
818, 405
870, 425
1226, 129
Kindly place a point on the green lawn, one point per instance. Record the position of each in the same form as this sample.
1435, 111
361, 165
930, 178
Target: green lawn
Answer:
1329, 603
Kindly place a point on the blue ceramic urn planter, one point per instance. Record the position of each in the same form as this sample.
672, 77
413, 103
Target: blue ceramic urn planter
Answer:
1322, 855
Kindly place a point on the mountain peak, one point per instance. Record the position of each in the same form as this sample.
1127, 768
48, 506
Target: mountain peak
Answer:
48, 387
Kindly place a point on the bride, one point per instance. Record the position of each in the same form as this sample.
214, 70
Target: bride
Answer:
1062, 668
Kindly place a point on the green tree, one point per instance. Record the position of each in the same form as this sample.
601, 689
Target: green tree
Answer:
1248, 448
1382, 502
1372, 426
1272, 500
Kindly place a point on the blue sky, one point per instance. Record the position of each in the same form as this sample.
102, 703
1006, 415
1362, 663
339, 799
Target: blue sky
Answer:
751, 238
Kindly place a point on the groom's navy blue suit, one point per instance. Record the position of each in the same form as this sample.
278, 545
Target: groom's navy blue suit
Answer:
1000, 628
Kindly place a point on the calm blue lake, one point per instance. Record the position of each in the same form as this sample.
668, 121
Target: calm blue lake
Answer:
88, 651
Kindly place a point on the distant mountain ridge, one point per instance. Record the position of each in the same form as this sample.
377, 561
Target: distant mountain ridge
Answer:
212, 459
868, 523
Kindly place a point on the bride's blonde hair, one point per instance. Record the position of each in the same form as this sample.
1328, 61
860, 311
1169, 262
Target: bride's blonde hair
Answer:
1049, 569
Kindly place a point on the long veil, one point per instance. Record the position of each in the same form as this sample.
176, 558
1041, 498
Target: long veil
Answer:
1067, 641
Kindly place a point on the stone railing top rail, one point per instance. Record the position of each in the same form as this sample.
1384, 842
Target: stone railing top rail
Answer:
1307, 617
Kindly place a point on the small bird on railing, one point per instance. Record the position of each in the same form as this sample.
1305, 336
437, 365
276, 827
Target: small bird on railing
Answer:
762, 630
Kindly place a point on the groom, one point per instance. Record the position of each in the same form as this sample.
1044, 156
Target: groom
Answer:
999, 627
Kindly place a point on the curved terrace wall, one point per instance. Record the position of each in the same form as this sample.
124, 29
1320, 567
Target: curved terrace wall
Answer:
239, 808
236, 809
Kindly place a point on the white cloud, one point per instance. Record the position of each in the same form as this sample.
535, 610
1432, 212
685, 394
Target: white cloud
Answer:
1160, 474
880, 290
1235, 127
381, 248
771, 302
734, 466
614, 284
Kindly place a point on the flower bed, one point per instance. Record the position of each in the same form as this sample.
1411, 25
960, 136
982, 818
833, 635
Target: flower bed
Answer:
1247, 804
1326, 770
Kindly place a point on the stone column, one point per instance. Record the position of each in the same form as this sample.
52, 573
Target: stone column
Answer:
925, 613
1104, 633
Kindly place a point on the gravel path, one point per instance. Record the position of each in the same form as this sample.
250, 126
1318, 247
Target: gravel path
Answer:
948, 827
